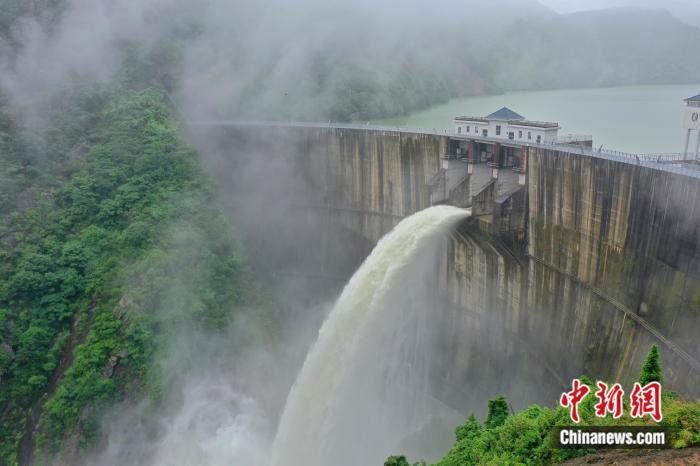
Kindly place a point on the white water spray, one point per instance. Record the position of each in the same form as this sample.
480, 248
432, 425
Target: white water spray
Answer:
363, 389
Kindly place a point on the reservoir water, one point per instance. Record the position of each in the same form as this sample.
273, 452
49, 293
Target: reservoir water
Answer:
642, 119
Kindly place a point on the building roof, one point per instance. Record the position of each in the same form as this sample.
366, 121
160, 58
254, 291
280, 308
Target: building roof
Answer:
521, 123
514, 119
535, 124
505, 114
693, 99
468, 118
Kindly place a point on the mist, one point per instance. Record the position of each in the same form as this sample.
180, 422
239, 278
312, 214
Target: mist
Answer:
225, 391
316, 61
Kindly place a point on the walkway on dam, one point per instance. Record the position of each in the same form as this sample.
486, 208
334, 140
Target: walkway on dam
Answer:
666, 162
482, 174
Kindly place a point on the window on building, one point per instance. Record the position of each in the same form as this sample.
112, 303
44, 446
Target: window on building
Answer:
539, 139
529, 134
520, 134
468, 129
511, 135
459, 130
485, 133
498, 130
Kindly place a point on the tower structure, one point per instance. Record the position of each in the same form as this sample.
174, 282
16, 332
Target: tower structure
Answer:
691, 123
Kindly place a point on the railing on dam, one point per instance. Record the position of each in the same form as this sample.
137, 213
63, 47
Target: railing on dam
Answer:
574, 138
671, 162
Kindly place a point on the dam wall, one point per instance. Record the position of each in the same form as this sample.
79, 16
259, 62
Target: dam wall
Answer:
576, 273
368, 180
625, 237
608, 266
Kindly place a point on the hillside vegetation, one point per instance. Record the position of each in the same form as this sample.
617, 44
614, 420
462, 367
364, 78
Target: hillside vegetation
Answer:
90, 281
348, 67
365, 60
526, 438
110, 242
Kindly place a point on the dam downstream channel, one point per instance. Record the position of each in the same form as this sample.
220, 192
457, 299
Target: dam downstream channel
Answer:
367, 376
601, 264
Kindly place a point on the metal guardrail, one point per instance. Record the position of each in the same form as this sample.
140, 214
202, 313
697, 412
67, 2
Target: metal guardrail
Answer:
301, 124
573, 138
665, 162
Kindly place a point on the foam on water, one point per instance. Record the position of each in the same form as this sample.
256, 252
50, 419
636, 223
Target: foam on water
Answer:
364, 385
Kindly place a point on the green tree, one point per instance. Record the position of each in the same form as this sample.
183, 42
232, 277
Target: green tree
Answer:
396, 461
135, 204
498, 412
528, 438
651, 369
470, 429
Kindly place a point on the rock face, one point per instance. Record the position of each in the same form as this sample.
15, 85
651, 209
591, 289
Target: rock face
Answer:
608, 263
6, 357
109, 368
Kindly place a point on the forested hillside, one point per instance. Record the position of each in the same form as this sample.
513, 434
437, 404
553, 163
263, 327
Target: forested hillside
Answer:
111, 207
596, 48
111, 245
346, 65
345, 62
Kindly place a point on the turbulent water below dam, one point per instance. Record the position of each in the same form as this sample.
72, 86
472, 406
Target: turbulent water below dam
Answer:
362, 394
363, 389
596, 265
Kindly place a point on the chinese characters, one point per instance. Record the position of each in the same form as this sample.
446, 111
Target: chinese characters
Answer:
644, 400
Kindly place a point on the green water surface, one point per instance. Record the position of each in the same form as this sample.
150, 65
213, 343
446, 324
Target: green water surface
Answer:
642, 119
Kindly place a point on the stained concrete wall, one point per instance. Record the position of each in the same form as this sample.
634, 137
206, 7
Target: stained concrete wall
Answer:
510, 218
611, 264
367, 179
482, 202
540, 326
630, 235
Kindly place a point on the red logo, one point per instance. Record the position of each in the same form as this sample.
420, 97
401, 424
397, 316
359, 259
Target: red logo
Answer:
610, 401
646, 400
573, 398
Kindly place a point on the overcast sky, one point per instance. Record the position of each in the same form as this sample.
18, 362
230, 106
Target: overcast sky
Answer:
687, 11
567, 6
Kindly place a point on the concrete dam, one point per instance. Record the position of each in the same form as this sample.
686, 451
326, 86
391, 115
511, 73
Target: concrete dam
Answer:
571, 264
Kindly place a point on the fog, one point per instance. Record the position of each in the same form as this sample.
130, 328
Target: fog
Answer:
312, 60
338, 60
687, 11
